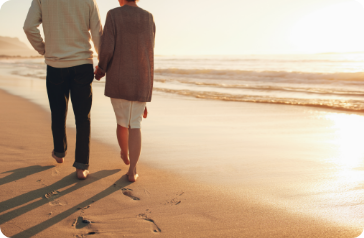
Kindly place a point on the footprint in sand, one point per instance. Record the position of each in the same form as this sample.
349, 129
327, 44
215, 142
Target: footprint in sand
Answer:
53, 201
58, 203
84, 208
55, 172
53, 195
176, 200
85, 235
128, 192
80, 223
156, 228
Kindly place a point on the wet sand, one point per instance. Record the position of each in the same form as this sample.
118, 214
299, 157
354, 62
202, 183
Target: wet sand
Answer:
221, 198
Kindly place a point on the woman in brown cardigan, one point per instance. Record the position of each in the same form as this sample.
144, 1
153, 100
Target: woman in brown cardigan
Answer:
126, 55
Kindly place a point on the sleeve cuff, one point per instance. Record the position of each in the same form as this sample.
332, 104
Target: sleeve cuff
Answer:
103, 71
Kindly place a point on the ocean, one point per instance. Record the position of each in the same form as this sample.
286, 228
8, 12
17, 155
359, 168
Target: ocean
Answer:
322, 80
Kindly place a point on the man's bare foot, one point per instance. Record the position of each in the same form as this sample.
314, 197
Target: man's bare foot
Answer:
132, 177
125, 158
59, 160
82, 174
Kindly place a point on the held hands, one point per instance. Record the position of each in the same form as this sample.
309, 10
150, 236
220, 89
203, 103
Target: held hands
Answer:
98, 73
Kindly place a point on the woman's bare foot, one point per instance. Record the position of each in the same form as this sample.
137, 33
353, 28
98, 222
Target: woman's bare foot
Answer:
125, 158
82, 174
132, 177
59, 160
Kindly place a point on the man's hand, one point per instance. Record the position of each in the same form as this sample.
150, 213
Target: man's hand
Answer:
145, 114
98, 73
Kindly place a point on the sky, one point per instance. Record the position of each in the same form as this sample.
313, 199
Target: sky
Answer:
235, 27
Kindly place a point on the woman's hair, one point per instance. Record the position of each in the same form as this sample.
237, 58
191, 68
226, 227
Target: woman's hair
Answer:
132, 0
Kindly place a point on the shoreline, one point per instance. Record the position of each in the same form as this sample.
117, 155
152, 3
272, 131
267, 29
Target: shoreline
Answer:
168, 202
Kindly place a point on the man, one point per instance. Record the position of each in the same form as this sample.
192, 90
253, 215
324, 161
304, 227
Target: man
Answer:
67, 49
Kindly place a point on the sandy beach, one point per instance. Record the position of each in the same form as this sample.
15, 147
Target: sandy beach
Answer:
255, 127
208, 169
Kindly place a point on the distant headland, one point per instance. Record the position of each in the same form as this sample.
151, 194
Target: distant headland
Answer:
12, 47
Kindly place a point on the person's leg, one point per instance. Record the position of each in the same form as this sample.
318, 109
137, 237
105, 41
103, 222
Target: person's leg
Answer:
58, 96
81, 97
122, 134
135, 138
135, 146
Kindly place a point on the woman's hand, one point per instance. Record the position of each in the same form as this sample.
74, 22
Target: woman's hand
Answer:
145, 114
98, 73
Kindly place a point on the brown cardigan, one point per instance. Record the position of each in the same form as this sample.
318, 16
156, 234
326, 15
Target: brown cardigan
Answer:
126, 54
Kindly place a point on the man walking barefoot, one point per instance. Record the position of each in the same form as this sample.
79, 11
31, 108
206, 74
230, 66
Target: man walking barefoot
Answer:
67, 50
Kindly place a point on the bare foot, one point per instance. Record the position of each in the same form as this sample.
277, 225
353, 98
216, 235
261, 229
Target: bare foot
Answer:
59, 160
125, 158
132, 177
82, 174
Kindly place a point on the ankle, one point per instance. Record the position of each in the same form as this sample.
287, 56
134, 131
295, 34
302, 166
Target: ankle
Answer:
82, 174
132, 171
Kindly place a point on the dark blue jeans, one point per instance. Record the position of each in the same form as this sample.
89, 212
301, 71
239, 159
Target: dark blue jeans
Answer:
77, 81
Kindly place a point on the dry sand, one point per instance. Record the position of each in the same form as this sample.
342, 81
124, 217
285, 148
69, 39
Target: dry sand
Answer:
40, 198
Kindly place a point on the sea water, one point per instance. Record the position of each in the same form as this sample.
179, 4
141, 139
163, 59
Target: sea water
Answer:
322, 80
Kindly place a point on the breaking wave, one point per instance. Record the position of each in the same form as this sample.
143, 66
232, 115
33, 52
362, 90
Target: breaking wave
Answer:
347, 105
260, 75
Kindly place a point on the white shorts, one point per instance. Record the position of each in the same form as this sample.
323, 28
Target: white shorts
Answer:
128, 114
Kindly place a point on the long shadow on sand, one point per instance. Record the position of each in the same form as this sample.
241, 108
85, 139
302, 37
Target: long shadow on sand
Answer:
122, 182
20, 173
39, 194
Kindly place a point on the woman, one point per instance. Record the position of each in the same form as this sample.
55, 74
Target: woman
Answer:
126, 55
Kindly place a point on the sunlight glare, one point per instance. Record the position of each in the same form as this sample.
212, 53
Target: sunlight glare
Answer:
336, 28
349, 130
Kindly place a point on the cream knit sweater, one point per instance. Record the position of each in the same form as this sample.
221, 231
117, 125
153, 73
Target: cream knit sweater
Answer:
67, 25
